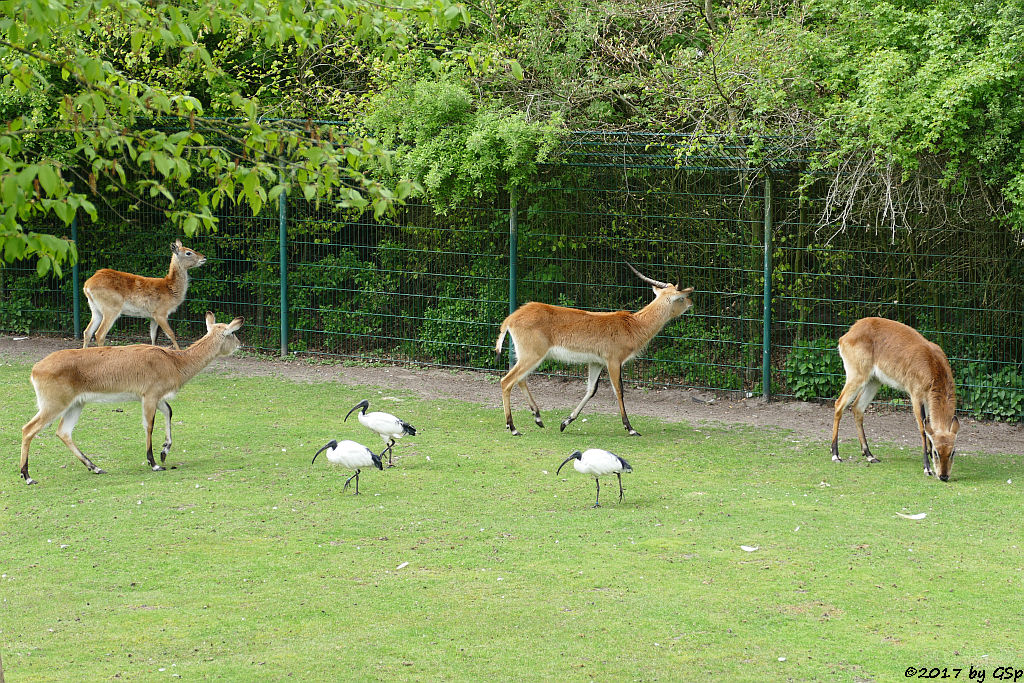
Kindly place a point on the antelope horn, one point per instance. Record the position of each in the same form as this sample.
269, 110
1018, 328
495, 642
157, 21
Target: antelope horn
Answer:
645, 278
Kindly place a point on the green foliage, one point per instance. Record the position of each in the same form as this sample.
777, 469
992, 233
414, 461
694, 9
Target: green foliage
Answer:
16, 306
462, 326
339, 295
814, 369
700, 351
456, 147
125, 85
992, 394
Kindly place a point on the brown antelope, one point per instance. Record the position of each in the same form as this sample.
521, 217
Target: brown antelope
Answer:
601, 340
112, 293
66, 380
878, 351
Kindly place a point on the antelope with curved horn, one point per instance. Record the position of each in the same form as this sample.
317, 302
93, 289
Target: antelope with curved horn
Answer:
878, 351
601, 340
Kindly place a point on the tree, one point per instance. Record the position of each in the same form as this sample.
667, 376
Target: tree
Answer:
75, 127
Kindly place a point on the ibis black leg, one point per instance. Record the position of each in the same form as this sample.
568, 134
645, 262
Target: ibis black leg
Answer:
354, 476
597, 501
617, 474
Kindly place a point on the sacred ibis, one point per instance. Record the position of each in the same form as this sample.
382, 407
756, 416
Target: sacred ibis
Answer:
387, 426
351, 455
597, 463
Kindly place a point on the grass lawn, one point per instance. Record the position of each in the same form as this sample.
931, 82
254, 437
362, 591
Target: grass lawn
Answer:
470, 559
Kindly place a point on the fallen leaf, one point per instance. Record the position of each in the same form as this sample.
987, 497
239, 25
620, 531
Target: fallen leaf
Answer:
919, 515
748, 548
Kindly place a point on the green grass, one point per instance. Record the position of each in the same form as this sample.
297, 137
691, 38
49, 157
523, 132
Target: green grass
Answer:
246, 561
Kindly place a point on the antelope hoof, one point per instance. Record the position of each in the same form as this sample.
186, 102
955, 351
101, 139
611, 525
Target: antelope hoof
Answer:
836, 458
633, 432
97, 470
872, 459
538, 421
515, 432
29, 481
929, 472
565, 423
158, 468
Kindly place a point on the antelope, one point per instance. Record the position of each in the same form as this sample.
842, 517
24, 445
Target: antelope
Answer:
112, 293
601, 340
66, 380
878, 351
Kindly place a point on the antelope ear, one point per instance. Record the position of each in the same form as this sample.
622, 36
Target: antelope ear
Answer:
686, 291
211, 320
954, 426
234, 325
175, 246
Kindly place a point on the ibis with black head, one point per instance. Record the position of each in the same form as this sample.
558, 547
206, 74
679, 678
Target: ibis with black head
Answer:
352, 455
597, 463
385, 425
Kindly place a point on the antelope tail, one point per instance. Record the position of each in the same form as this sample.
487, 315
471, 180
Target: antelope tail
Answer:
501, 340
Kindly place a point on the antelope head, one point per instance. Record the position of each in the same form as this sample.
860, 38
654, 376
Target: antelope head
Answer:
942, 445
678, 298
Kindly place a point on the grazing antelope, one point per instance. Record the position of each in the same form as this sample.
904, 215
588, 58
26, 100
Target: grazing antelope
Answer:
601, 340
878, 351
66, 380
112, 293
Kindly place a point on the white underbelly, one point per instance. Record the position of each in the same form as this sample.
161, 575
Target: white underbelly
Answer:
116, 397
569, 356
886, 379
113, 397
135, 312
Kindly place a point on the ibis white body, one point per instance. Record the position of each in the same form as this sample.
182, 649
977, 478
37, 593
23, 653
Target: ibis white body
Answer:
597, 462
352, 455
388, 427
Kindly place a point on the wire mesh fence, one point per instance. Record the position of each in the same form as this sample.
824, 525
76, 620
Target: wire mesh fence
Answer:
432, 287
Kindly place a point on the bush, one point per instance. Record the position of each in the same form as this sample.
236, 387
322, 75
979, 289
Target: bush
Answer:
462, 326
706, 354
997, 394
814, 369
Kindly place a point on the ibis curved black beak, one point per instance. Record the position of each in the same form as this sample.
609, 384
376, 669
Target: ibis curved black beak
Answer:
330, 444
377, 461
575, 455
364, 404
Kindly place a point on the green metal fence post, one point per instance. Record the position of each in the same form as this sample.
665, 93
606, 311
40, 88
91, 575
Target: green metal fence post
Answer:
282, 211
513, 257
766, 339
76, 293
